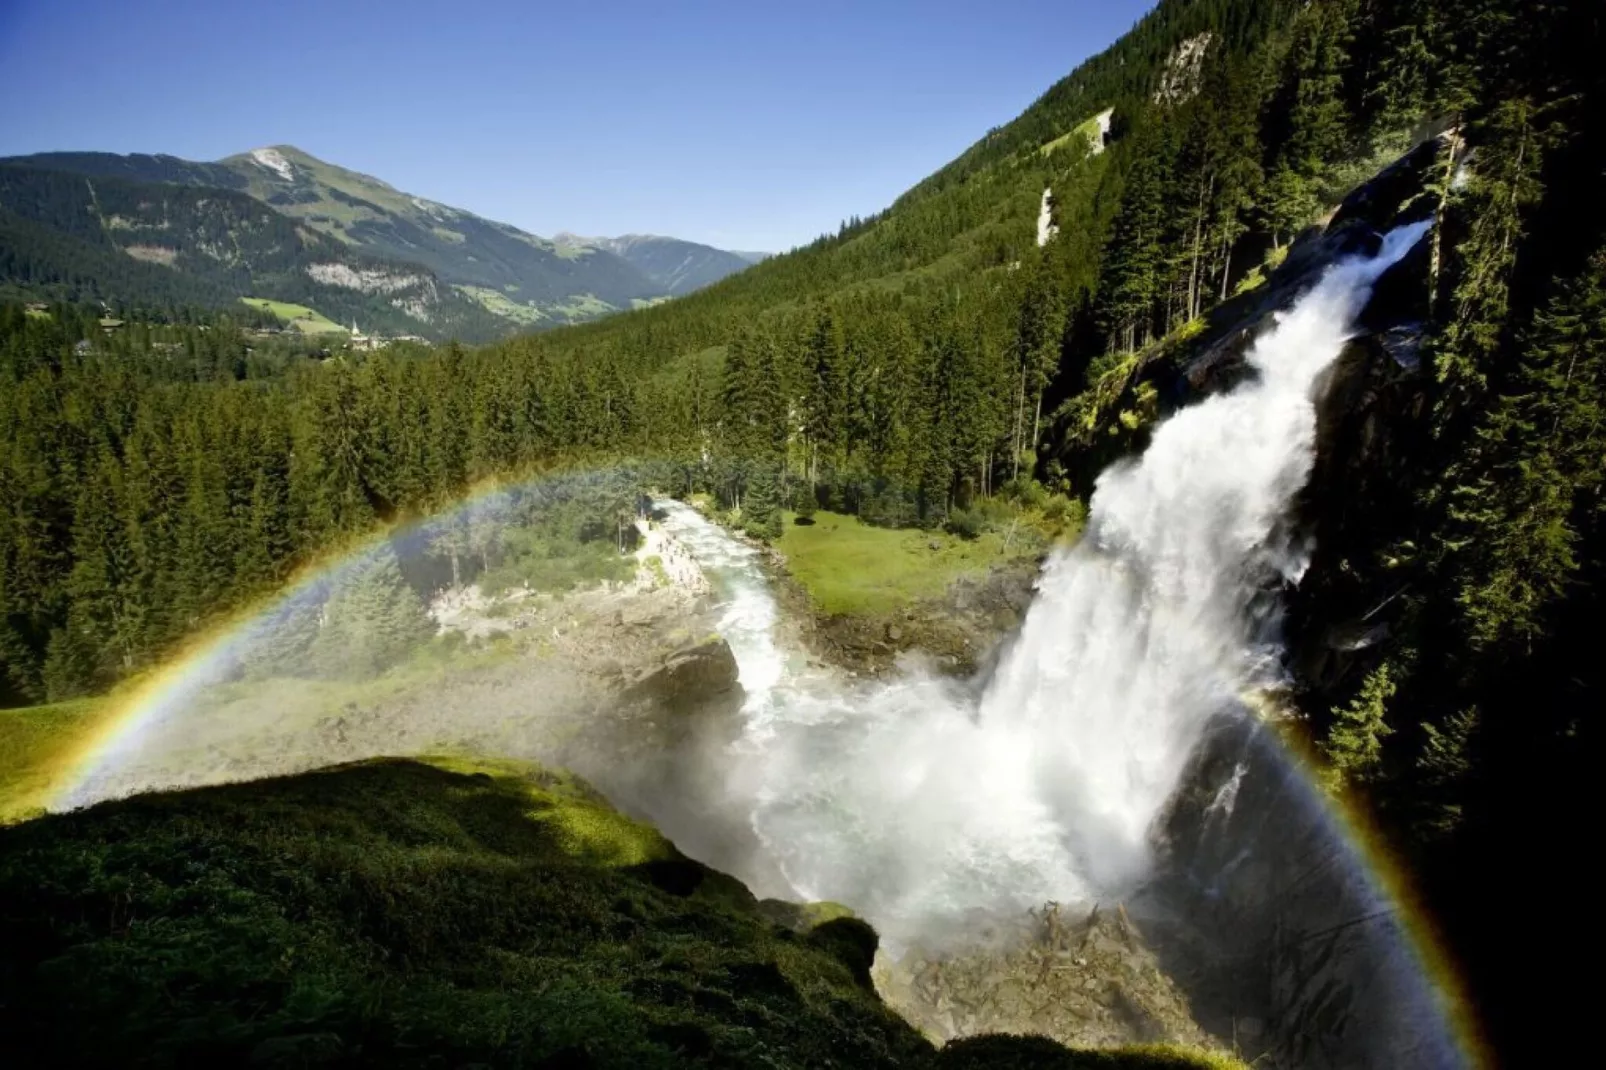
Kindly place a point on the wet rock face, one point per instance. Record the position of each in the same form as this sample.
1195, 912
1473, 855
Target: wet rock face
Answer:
657, 752
1218, 361
1372, 439
1398, 194
1372, 407
1395, 197
1084, 976
1276, 920
696, 681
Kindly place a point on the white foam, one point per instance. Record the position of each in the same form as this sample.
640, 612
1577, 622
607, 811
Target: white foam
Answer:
917, 804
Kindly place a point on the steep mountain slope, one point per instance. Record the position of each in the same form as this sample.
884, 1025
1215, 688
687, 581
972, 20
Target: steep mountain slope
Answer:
518, 276
971, 225
676, 267
146, 243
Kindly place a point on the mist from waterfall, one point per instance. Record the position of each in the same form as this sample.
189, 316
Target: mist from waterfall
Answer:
919, 803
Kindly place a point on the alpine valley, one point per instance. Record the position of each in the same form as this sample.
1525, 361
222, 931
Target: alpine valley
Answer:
1131, 602
279, 226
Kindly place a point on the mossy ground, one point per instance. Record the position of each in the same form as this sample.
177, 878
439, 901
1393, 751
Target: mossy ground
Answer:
34, 743
850, 567
400, 913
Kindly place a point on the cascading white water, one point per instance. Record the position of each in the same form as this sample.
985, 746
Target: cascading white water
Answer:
916, 805
748, 612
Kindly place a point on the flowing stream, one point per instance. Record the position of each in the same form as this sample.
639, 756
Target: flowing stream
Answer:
919, 802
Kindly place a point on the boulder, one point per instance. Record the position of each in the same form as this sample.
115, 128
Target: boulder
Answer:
689, 681
1087, 976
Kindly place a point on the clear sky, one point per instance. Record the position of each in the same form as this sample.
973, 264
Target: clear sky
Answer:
748, 125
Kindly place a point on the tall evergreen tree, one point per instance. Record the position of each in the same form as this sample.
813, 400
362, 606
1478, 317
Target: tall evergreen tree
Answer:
372, 620
1354, 744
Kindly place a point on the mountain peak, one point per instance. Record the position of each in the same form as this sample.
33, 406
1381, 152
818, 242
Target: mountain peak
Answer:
274, 159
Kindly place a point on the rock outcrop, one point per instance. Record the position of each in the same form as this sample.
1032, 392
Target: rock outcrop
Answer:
1272, 916
960, 633
1085, 977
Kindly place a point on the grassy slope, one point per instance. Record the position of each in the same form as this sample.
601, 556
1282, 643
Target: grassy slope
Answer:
304, 319
33, 744
495, 301
408, 914
848, 566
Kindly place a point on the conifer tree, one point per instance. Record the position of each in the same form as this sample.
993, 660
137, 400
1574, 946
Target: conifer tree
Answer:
1503, 186
761, 509
101, 626
1445, 765
372, 619
1310, 117
286, 642
1133, 274
1354, 744
1536, 471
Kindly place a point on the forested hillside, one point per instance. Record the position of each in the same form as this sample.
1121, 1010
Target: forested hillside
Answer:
921, 361
516, 277
154, 246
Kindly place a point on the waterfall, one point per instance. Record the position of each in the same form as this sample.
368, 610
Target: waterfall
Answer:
919, 805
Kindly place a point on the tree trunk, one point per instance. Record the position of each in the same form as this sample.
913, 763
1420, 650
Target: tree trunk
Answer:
1226, 265
1198, 240
1020, 415
1037, 419
1438, 224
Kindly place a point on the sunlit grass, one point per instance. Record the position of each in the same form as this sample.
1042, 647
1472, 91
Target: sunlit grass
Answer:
304, 319
848, 566
34, 744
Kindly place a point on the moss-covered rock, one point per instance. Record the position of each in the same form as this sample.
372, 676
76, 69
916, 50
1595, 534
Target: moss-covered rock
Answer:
403, 913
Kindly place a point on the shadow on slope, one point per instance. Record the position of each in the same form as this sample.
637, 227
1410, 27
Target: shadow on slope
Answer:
406, 914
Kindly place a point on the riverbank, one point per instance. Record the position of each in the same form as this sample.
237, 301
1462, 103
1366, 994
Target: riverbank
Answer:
864, 598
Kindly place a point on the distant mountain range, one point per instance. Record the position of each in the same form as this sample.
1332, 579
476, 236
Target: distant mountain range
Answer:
281, 224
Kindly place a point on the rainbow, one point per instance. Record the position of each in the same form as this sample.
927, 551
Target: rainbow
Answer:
209, 659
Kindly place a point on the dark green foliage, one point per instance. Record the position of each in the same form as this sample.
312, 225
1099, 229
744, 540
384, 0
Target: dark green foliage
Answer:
1309, 118
1354, 744
1519, 518
761, 508
396, 913
805, 503
156, 477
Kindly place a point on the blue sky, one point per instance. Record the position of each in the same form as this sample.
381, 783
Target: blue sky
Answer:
752, 125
